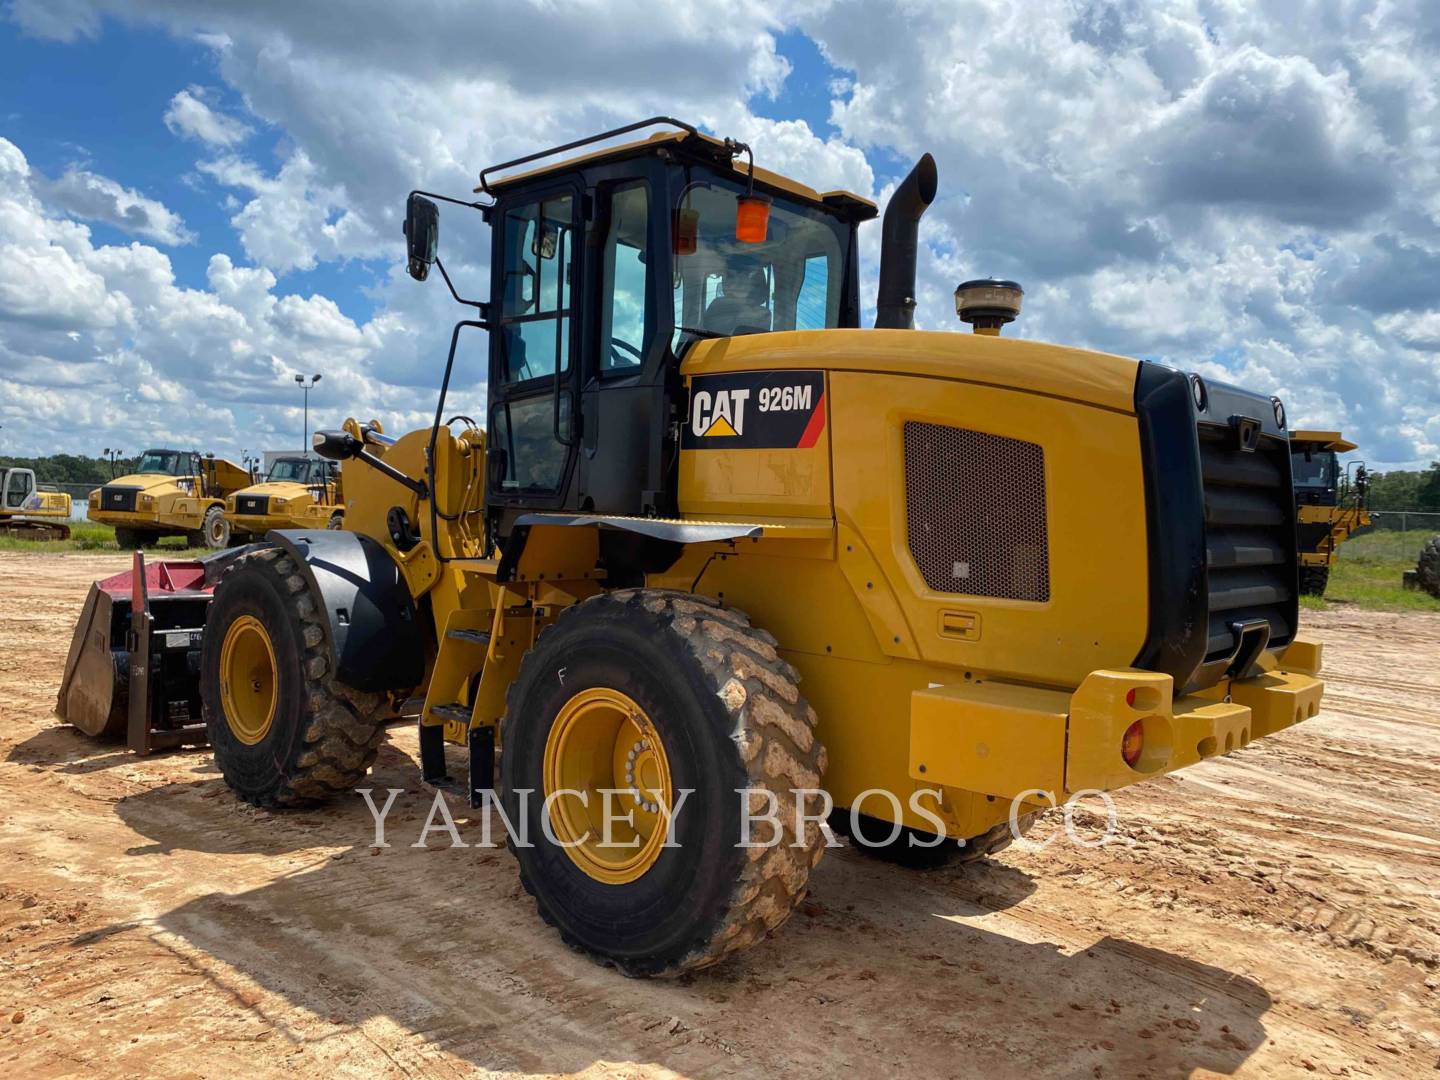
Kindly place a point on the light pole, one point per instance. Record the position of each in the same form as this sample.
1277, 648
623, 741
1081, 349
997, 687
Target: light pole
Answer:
307, 387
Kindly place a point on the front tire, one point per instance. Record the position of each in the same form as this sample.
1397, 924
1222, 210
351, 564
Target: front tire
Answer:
284, 732
681, 695
214, 531
128, 539
337, 520
1313, 580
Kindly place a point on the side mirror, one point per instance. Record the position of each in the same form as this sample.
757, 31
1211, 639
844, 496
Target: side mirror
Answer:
336, 445
422, 235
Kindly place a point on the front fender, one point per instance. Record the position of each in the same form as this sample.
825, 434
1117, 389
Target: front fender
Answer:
370, 622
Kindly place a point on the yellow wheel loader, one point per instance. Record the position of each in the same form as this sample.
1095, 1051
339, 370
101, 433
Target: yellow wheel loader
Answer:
297, 493
1329, 503
29, 511
718, 557
170, 493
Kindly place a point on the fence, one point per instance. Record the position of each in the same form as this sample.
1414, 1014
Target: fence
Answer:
1406, 520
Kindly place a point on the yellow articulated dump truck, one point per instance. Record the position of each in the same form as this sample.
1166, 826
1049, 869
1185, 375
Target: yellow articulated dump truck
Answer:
170, 493
1329, 503
718, 560
297, 493
29, 511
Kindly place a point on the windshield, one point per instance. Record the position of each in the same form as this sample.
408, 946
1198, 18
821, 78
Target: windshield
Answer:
791, 280
169, 462
296, 469
1318, 471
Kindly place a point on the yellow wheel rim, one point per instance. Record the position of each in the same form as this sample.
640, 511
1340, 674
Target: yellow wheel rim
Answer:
602, 740
248, 680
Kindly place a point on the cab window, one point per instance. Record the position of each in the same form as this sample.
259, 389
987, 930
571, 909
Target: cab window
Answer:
625, 317
536, 302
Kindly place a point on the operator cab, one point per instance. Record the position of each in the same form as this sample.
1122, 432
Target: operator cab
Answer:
16, 487
604, 270
300, 470
1315, 466
168, 463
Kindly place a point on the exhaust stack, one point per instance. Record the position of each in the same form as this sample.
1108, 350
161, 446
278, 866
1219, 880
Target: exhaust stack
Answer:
895, 301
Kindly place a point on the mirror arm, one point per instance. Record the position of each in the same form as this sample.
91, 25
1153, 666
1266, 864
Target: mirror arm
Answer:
479, 305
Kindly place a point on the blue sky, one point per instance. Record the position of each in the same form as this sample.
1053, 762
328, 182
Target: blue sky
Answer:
200, 199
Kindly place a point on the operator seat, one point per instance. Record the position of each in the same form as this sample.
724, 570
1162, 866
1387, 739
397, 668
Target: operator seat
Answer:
740, 308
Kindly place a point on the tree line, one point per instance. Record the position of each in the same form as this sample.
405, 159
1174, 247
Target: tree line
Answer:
70, 468
1402, 489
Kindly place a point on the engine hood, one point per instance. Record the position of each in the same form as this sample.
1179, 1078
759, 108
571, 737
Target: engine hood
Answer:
155, 483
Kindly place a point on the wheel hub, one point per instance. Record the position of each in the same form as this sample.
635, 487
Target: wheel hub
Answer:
603, 751
249, 681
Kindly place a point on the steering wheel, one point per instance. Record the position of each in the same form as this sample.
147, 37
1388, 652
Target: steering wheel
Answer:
625, 346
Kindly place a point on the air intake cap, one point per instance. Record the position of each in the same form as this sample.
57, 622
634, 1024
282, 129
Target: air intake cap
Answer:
988, 304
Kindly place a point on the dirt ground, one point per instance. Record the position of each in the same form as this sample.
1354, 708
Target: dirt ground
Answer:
1274, 913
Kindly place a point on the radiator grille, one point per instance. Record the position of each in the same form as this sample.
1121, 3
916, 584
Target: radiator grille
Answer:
252, 504
975, 505
118, 498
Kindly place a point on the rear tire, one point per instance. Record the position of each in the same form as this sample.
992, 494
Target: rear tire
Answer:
1313, 580
214, 531
728, 715
917, 856
321, 736
1427, 569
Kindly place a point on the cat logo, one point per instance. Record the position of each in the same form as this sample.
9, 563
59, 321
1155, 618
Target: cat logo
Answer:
719, 414
755, 410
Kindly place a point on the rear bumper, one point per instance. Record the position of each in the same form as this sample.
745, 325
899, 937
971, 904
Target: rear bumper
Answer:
1005, 740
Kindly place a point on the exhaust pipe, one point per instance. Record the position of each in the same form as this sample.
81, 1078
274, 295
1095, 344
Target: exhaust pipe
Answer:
895, 302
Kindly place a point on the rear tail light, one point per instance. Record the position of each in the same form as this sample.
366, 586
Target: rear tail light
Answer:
1133, 743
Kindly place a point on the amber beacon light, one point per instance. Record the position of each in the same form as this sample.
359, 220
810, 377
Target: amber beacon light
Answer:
988, 304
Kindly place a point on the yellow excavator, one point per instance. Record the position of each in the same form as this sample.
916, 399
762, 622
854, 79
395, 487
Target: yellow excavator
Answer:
718, 560
30, 511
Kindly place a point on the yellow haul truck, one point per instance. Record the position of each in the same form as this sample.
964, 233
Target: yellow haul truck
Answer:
297, 493
29, 511
722, 549
1329, 504
170, 493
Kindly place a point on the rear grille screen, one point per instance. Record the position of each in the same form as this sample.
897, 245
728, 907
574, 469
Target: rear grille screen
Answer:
1250, 537
975, 509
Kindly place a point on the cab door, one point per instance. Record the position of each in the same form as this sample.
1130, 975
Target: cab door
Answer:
533, 347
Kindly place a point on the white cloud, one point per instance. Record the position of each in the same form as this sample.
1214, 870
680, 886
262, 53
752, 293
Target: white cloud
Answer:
88, 195
190, 117
101, 339
1253, 189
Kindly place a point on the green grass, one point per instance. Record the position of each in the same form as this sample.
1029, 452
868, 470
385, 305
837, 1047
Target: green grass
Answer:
1368, 570
88, 536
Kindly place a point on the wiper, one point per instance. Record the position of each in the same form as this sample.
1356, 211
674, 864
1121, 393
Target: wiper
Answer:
698, 332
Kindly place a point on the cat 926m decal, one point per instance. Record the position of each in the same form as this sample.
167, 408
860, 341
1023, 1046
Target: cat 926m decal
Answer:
755, 410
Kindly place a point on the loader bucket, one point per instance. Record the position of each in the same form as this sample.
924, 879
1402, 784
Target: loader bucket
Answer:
134, 662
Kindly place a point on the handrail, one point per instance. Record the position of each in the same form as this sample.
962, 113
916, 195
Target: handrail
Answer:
486, 172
